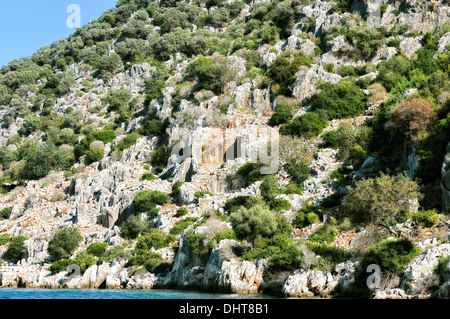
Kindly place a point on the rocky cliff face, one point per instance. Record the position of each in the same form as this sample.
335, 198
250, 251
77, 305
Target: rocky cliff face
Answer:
209, 134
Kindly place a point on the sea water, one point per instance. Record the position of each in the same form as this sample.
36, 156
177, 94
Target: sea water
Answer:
25, 293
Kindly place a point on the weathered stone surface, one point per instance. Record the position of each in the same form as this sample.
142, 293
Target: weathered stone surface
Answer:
304, 85
419, 276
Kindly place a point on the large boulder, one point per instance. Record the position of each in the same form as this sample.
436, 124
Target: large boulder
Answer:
226, 272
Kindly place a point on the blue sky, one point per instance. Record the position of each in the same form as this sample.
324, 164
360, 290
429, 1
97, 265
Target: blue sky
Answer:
27, 25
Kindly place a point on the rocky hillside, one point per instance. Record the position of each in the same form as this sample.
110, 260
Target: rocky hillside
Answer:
298, 148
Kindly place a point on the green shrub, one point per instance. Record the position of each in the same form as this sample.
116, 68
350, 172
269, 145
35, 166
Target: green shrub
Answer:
64, 242
312, 218
249, 223
132, 227
279, 204
342, 100
250, 173
181, 212
307, 125
147, 176
441, 268
233, 204
84, 260
330, 256
300, 219
269, 188
293, 188
94, 154
145, 200
196, 242
283, 253
15, 250
114, 253
330, 139
381, 200
5, 212
176, 190
42, 159
97, 249
182, 224
127, 141
106, 135
226, 234
155, 238
324, 235
4, 239
151, 127
283, 114
60, 265
391, 255
299, 171
425, 219
201, 194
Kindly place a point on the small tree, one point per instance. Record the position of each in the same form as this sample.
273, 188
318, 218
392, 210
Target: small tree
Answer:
410, 119
64, 242
16, 250
249, 223
43, 159
381, 201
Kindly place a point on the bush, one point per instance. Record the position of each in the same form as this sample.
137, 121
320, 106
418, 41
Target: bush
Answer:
5, 212
64, 242
409, 120
324, 235
106, 135
42, 159
97, 249
299, 172
181, 225
250, 173
201, 194
441, 268
307, 125
233, 204
218, 237
4, 239
249, 223
60, 265
283, 253
15, 250
300, 220
391, 255
94, 154
151, 127
115, 253
181, 212
283, 114
132, 227
84, 260
269, 188
381, 200
148, 177
425, 219
279, 204
197, 246
146, 200
154, 238
342, 100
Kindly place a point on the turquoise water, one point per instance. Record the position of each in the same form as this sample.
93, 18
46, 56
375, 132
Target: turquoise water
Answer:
24, 293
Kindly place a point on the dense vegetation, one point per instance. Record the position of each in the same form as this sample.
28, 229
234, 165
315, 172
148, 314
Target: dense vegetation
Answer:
218, 46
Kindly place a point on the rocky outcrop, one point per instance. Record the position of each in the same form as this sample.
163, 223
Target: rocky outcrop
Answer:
306, 79
419, 276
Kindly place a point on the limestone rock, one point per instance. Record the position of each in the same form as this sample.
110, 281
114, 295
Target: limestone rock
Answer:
225, 272
409, 46
304, 85
419, 276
